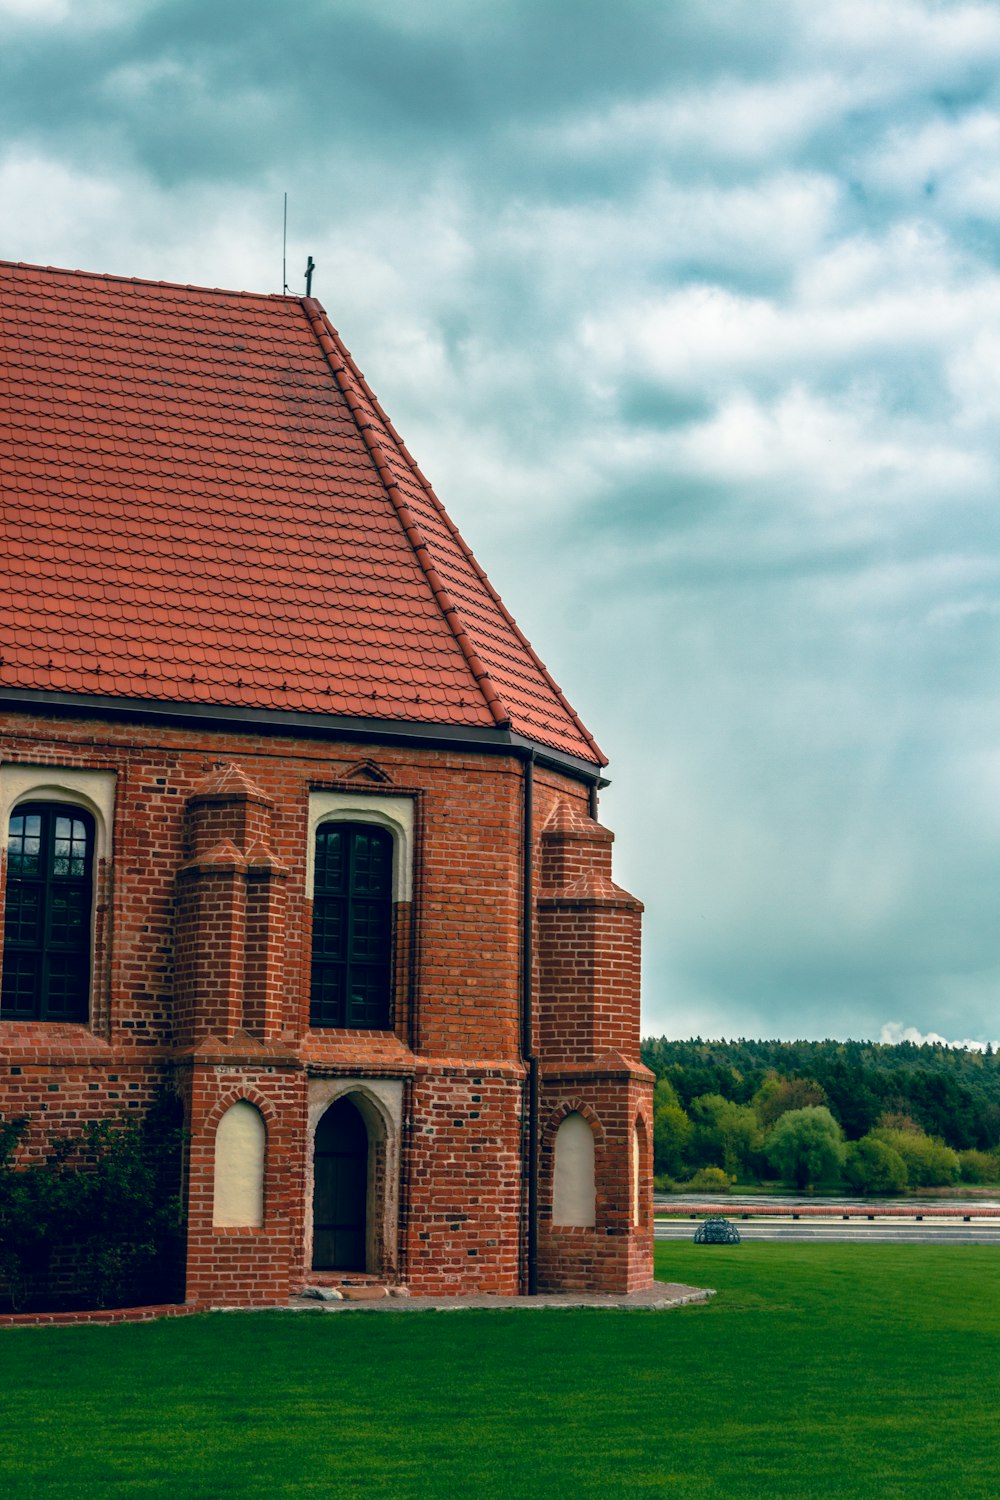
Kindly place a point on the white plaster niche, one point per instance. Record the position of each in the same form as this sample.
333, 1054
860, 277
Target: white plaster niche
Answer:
636, 1158
574, 1196
239, 1168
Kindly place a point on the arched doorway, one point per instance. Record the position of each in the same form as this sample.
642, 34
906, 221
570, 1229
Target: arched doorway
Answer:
340, 1190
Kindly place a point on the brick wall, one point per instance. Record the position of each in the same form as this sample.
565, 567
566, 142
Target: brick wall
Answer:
464, 1180
201, 969
615, 1255
588, 1037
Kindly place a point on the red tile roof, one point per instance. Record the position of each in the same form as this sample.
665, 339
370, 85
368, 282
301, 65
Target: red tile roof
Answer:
203, 503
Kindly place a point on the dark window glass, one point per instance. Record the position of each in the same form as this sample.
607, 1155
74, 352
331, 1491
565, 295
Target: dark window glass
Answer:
46, 940
352, 927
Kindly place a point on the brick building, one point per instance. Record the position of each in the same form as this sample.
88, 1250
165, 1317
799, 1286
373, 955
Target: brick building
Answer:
294, 820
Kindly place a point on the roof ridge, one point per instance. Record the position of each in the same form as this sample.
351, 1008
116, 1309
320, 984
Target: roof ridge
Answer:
471, 557
345, 374
176, 286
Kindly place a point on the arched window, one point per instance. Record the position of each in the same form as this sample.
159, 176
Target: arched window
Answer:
46, 941
352, 926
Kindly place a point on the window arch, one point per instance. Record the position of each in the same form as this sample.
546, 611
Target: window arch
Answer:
47, 913
351, 982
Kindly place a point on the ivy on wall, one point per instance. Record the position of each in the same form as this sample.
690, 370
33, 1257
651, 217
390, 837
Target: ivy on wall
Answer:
99, 1221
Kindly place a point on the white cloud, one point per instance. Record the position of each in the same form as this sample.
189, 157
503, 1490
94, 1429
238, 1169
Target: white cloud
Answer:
844, 451
857, 304
45, 11
728, 120
908, 44
973, 375
116, 222
894, 1032
908, 158
74, 15
645, 231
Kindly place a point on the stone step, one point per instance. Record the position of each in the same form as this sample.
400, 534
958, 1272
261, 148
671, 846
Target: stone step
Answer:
332, 1288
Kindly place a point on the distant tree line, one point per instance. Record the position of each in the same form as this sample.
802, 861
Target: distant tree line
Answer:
876, 1116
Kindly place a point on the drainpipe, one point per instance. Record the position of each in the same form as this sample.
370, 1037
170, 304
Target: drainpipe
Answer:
527, 1013
592, 800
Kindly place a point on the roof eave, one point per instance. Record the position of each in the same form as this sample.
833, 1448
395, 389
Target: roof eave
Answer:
396, 732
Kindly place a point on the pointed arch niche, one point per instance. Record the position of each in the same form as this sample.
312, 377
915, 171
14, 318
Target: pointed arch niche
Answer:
379, 1104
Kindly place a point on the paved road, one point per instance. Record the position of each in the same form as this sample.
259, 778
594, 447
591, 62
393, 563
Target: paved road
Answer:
903, 1231
853, 1231
732, 1203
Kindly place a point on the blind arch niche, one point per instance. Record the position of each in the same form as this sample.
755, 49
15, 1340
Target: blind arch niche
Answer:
574, 1195
240, 1144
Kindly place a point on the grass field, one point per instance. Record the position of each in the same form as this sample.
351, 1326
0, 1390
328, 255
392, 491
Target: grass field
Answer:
819, 1370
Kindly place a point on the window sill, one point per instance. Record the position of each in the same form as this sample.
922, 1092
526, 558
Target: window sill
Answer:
332, 1049
51, 1042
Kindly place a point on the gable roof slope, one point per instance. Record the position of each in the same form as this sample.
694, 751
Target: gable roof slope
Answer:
203, 503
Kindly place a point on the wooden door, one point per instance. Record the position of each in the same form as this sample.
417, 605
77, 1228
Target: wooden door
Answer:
340, 1189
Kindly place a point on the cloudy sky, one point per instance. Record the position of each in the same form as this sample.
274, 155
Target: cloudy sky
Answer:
691, 310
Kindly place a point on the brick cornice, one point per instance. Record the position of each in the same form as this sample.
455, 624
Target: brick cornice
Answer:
611, 1065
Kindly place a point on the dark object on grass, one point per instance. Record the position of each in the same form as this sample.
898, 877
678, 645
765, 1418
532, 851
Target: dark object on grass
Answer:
717, 1232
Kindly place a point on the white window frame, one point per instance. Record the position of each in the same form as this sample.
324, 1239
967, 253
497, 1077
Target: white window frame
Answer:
94, 791
396, 814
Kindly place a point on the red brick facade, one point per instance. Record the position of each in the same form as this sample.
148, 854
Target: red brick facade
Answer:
200, 981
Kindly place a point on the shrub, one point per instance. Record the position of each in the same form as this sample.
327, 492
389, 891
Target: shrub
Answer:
929, 1162
710, 1180
977, 1166
806, 1146
98, 1223
874, 1167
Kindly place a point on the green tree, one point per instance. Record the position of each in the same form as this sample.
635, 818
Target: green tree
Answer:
806, 1146
672, 1132
874, 1167
726, 1135
776, 1096
664, 1093
950, 1092
929, 1162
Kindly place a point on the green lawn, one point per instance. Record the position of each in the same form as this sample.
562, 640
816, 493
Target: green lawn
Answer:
819, 1370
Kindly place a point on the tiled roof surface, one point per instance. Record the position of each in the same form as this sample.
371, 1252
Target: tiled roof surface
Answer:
202, 502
